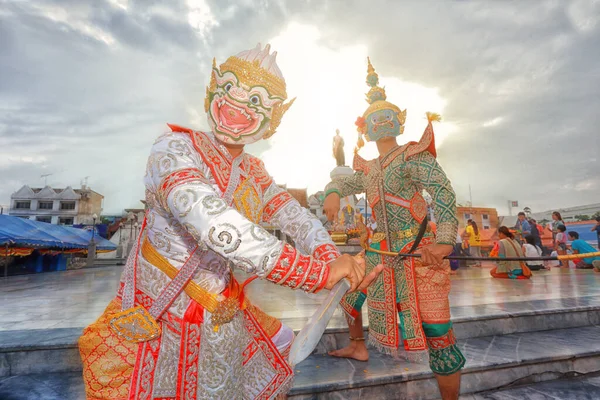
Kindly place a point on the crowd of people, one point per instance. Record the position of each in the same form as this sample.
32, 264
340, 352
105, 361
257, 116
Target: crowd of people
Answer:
524, 240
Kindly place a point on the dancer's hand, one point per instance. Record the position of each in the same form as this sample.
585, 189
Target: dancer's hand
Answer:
353, 269
331, 206
434, 254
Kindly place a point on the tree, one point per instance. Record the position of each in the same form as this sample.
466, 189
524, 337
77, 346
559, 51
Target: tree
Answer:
582, 217
597, 215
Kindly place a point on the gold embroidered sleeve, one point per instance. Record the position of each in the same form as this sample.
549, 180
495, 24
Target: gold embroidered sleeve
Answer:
347, 185
427, 174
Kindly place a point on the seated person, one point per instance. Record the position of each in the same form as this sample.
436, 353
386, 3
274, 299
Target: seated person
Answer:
532, 250
580, 246
508, 247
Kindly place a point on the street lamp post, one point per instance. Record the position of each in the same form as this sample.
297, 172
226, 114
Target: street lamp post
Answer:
120, 246
130, 218
91, 256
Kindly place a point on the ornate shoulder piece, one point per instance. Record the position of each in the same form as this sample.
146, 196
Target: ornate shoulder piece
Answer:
359, 163
259, 172
427, 142
177, 128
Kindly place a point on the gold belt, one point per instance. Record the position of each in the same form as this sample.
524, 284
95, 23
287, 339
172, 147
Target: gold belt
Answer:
406, 233
397, 235
222, 311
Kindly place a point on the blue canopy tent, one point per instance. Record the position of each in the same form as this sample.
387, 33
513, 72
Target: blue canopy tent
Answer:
19, 232
79, 238
25, 233
4, 240
19, 237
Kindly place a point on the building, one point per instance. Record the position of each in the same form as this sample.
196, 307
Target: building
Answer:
568, 214
486, 219
57, 206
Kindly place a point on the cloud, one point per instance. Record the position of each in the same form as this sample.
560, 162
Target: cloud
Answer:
87, 85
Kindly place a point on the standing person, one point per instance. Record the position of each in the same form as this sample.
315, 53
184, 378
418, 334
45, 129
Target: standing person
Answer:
580, 246
472, 232
535, 232
596, 229
560, 244
459, 250
408, 304
509, 247
556, 222
531, 249
522, 226
180, 325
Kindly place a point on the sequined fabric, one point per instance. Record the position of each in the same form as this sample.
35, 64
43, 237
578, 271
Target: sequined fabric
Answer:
198, 195
407, 295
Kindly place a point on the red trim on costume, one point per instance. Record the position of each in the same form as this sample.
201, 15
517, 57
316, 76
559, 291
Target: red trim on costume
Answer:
180, 177
187, 372
427, 143
143, 372
259, 172
412, 304
283, 371
249, 352
323, 281
442, 342
360, 164
399, 201
418, 207
326, 252
297, 270
220, 162
177, 128
275, 204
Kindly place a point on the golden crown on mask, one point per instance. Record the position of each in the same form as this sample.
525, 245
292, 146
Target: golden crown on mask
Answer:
251, 74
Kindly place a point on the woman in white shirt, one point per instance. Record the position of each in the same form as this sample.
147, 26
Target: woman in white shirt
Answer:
530, 249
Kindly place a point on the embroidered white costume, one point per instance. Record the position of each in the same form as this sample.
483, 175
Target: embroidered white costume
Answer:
204, 211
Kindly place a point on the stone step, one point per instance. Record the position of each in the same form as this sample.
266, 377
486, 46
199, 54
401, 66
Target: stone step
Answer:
48, 386
492, 362
38, 351
536, 360
582, 388
492, 319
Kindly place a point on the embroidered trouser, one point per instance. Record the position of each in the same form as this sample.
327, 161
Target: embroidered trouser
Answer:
408, 303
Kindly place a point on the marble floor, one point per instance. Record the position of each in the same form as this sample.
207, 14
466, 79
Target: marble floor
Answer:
76, 298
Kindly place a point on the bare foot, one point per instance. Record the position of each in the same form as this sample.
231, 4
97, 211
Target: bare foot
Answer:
356, 350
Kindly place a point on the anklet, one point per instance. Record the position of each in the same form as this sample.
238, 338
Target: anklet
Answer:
357, 339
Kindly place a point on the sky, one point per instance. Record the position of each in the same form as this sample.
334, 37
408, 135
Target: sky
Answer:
87, 85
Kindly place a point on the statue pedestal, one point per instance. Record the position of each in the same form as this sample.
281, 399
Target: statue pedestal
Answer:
341, 171
347, 208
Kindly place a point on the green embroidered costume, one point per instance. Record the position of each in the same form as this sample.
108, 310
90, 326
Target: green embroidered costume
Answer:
409, 301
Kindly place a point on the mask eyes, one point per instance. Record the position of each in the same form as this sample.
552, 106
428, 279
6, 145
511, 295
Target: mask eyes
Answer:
255, 99
228, 86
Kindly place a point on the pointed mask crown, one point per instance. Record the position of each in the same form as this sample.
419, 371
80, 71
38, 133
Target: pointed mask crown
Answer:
258, 67
376, 96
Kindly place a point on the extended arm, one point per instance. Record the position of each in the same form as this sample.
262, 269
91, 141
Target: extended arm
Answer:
179, 179
284, 212
347, 185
